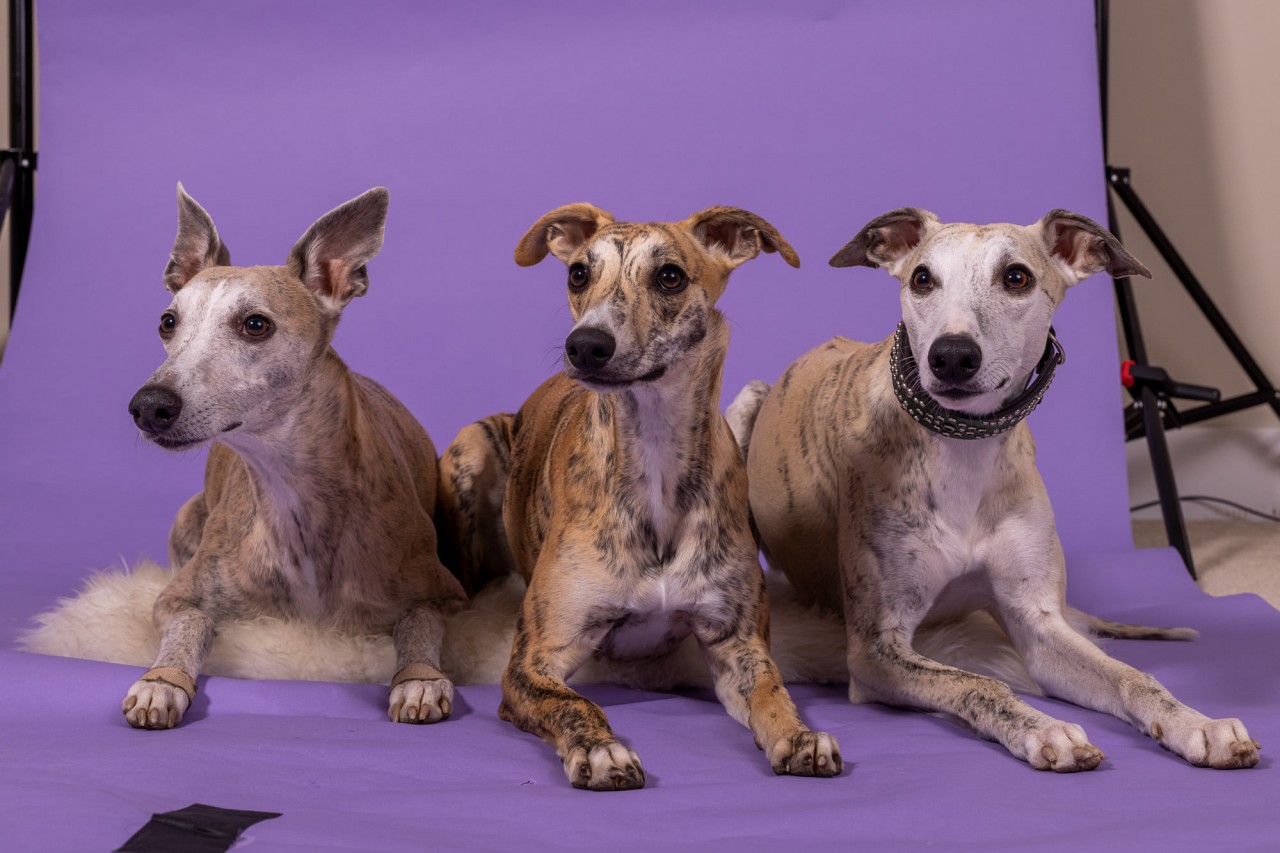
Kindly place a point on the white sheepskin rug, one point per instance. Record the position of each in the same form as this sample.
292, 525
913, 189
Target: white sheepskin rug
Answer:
109, 619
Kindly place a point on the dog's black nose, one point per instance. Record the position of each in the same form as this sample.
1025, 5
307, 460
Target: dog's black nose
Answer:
955, 358
589, 348
154, 408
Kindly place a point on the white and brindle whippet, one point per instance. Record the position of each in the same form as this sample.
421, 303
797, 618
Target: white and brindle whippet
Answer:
320, 486
619, 492
905, 496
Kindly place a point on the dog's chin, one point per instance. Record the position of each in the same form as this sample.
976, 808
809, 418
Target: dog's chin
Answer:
970, 401
178, 442
610, 384
175, 442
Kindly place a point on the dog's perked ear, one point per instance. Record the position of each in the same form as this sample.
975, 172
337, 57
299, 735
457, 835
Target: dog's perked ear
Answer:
197, 245
886, 239
738, 235
330, 258
1085, 247
562, 232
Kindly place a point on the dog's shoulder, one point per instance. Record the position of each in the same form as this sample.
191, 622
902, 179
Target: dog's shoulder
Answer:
554, 402
384, 419
840, 373
548, 422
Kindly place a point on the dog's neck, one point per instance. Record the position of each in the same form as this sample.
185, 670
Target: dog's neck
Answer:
975, 463
665, 432
301, 464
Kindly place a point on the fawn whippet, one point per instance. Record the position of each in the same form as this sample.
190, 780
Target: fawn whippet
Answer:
320, 486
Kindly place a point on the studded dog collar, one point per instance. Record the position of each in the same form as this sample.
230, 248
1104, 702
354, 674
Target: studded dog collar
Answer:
927, 412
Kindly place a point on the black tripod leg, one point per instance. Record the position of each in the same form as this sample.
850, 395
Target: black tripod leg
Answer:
1166, 486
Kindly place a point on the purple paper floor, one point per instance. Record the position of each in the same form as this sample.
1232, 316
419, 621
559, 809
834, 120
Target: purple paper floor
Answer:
479, 118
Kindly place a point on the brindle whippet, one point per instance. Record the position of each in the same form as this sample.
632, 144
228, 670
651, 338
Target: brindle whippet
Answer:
905, 497
320, 486
620, 495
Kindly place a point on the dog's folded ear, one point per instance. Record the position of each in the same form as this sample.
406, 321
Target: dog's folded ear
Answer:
739, 235
330, 258
1085, 247
562, 232
197, 245
885, 240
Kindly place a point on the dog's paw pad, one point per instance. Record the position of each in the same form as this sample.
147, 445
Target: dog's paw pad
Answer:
1221, 744
155, 705
607, 767
807, 754
1062, 748
421, 701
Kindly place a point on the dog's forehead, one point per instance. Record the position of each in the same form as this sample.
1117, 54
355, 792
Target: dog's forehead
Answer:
213, 291
965, 245
223, 290
631, 242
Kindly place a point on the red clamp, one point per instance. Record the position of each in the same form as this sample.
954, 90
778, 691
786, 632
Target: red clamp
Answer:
1126, 377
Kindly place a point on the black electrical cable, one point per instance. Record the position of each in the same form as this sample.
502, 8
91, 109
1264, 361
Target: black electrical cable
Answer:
1210, 499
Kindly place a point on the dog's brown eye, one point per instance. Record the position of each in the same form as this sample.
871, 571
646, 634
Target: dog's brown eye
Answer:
256, 326
168, 322
671, 278
1017, 278
921, 279
579, 275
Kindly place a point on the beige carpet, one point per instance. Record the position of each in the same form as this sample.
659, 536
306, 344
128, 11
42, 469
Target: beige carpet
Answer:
1230, 556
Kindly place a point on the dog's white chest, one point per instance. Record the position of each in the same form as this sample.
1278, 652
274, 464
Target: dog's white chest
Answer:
960, 476
659, 614
283, 527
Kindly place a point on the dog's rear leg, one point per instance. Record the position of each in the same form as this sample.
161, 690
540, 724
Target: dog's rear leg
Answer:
750, 688
160, 698
1108, 630
420, 692
472, 485
536, 699
744, 410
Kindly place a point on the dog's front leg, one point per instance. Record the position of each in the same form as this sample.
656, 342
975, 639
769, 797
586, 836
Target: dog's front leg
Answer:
750, 687
420, 692
883, 667
884, 602
536, 698
160, 698
1068, 665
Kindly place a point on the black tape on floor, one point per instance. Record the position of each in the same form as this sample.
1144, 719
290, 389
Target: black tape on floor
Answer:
196, 829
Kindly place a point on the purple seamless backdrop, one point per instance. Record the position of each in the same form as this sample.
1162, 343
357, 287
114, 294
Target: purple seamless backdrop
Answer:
479, 117
816, 115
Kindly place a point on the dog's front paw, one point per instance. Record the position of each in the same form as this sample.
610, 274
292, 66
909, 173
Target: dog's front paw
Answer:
806, 754
151, 704
1222, 744
421, 701
1060, 747
610, 766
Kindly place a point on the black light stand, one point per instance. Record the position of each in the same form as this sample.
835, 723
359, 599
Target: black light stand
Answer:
1152, 410
18, 161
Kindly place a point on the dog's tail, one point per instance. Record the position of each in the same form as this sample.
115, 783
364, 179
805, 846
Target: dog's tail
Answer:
744, 410
472, 486
1095, 626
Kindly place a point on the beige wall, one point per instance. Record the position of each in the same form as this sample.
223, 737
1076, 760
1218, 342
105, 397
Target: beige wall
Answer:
1195, 112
